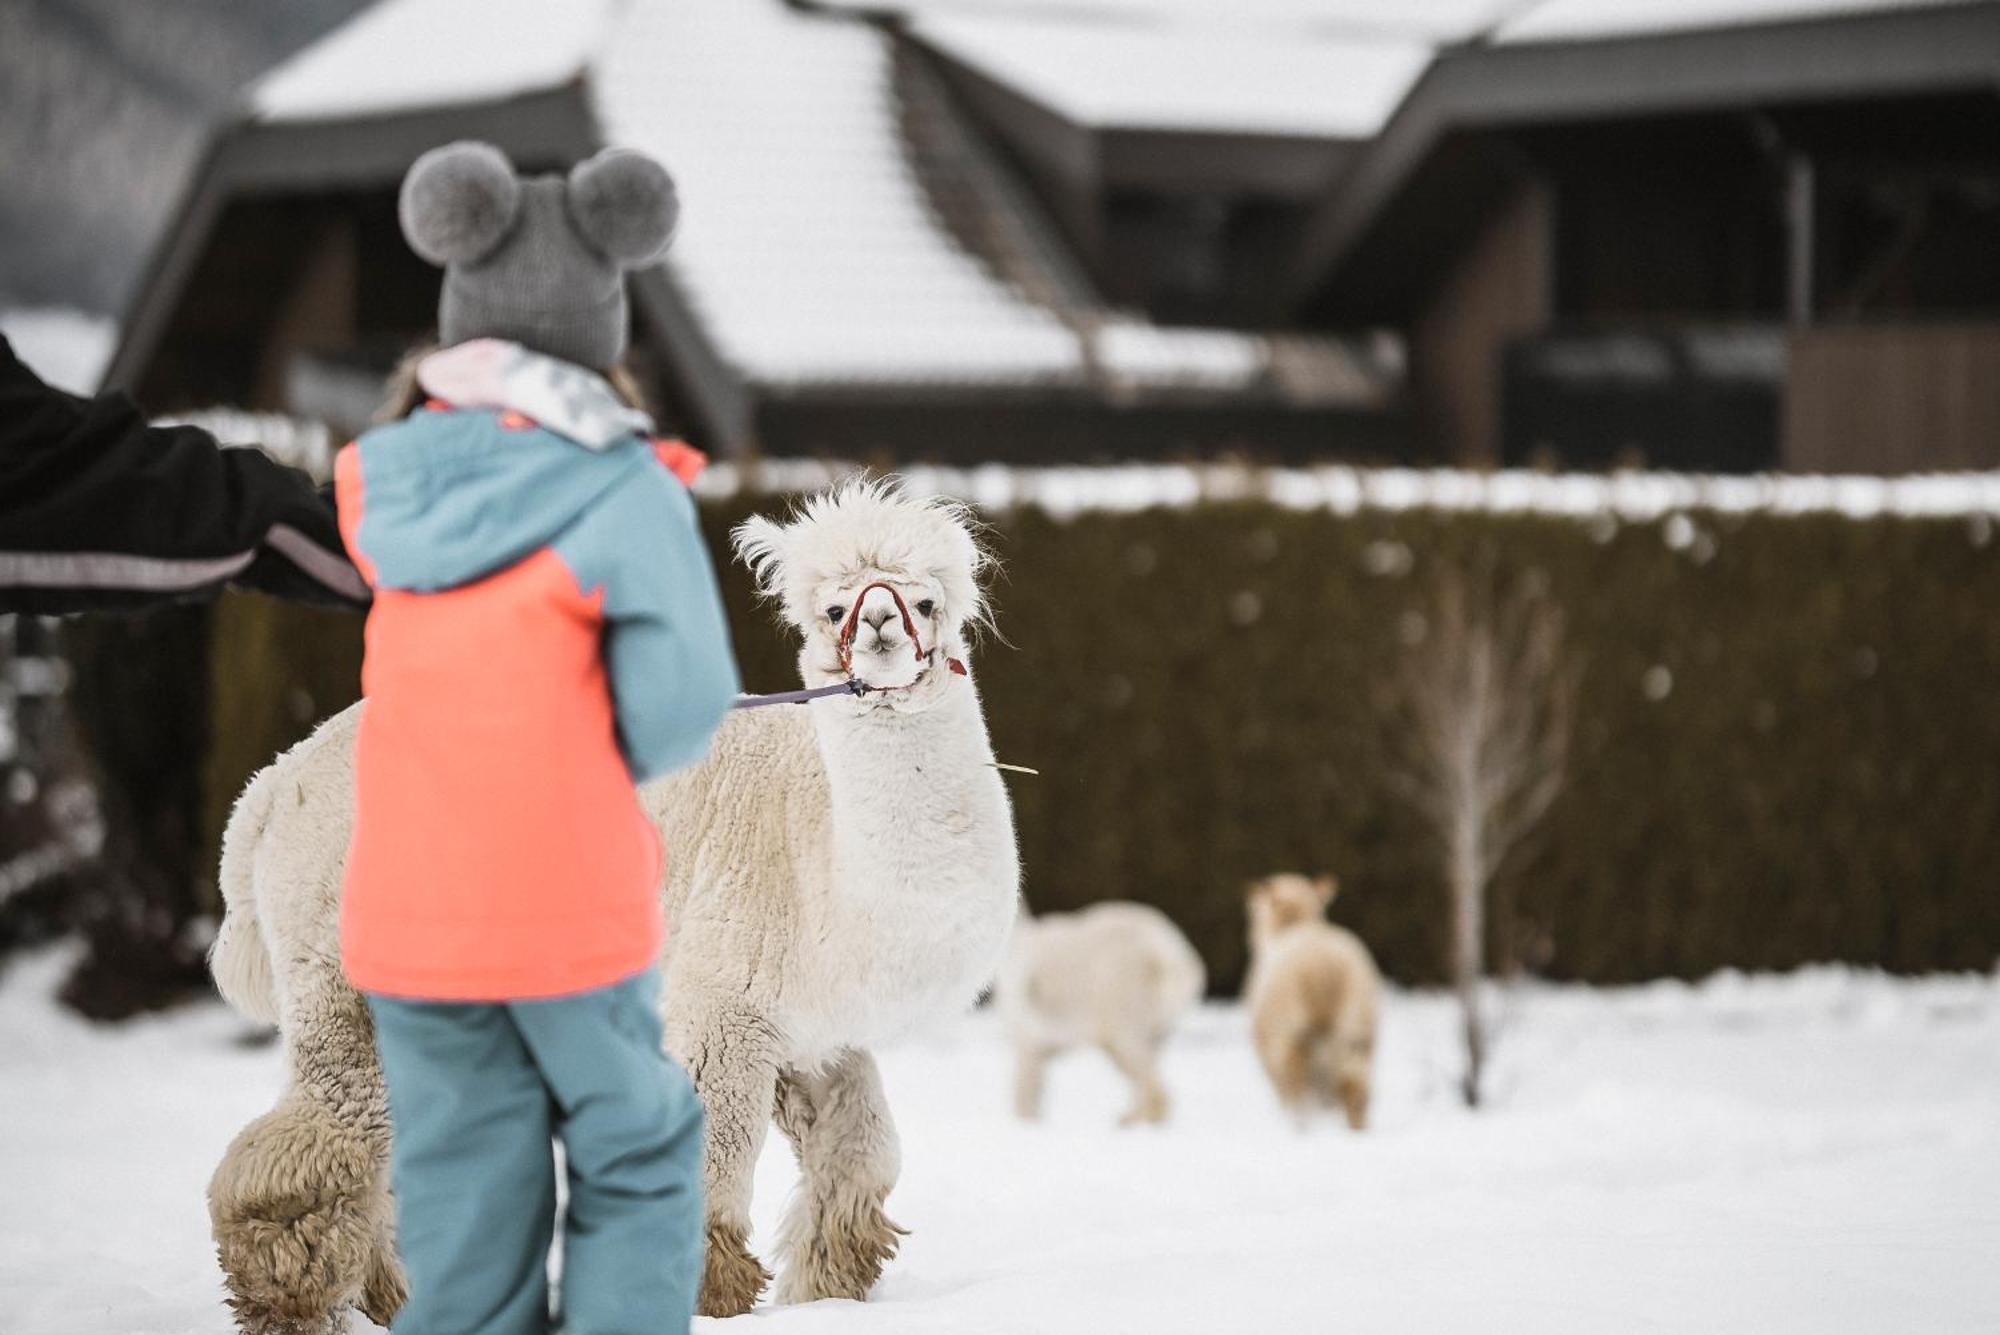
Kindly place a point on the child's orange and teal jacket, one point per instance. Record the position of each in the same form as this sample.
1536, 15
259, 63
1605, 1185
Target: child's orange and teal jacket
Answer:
546, 633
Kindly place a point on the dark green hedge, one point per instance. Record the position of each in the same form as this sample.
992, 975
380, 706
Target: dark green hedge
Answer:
1201, 690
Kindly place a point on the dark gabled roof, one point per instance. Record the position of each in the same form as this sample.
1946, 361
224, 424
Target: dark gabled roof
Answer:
253, 157
1411, 191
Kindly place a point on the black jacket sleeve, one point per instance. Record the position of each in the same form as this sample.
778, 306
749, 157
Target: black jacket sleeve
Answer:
99, 509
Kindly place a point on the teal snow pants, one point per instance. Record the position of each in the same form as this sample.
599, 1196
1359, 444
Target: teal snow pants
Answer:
477, 1093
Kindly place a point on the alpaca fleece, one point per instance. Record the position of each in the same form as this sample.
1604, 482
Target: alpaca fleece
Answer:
1314, 995
1115, 976
837, 874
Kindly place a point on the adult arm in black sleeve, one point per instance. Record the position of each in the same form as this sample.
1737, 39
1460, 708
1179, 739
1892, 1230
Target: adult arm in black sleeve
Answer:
100, 509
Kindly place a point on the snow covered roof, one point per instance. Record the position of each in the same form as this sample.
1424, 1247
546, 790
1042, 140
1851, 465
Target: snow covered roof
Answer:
1437, 20
408, 55
808, 246
812, 251
1189, 76
1326, 68
1332, 69
1587, 20
809, 250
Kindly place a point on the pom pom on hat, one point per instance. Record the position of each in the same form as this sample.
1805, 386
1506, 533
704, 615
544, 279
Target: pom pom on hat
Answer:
459, 202
537, 260
624, 204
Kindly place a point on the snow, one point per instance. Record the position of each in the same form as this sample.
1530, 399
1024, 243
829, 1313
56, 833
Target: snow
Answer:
1189, 77
1587, 20
1210, 358
67, 348
1341, 489
408, 55
1816, 1153
808, 246
1437, 20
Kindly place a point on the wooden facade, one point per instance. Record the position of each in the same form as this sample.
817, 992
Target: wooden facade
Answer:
1495, 292
1893, 399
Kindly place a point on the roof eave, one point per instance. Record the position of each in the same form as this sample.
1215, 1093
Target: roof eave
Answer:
253, 156
1939, 49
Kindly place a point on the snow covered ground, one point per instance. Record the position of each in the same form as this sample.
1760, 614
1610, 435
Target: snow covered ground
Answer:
1813, 1153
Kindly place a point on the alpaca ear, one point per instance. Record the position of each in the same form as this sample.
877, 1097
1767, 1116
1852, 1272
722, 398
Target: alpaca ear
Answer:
1326, 887
625, 206
760, 544
458, 202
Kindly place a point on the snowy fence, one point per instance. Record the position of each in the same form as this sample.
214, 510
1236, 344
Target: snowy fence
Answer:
1784, 737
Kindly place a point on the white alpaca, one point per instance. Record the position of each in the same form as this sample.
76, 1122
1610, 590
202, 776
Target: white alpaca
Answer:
1115, 976
838, 873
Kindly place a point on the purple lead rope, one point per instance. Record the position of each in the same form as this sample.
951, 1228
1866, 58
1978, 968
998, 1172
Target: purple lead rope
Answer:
852, 686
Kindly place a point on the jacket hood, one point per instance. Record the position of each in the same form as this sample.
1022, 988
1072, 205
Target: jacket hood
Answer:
453, 495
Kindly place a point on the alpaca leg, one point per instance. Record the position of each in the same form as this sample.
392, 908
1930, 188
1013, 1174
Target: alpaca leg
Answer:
1284, 1051
300, 1204
731, 1056
385, 1290
1030, 1065
1352, 1081
835, 1238
1291, 1077
1137, 1058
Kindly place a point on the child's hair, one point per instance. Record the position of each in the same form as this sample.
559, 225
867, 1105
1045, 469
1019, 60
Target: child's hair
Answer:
402, 394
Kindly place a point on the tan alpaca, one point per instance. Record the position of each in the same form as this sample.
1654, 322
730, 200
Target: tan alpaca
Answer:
1115, 976
1313, 995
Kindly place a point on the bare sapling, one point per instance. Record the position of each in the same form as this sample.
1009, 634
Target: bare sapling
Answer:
1487, 704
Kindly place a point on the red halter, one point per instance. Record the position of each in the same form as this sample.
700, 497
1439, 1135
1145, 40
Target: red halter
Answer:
847, 629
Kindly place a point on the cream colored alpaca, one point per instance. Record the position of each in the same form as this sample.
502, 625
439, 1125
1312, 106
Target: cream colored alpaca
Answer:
1115, 976
839, 872
1313, 994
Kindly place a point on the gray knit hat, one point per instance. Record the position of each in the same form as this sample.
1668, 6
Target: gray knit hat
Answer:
539, 260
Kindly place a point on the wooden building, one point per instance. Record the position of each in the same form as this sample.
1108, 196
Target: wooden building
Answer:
858, 274
1721, 234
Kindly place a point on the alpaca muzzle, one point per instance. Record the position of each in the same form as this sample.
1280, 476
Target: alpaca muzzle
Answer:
852, 623
845, 645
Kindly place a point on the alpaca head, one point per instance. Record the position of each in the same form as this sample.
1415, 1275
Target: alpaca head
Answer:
816, 563
1279, 902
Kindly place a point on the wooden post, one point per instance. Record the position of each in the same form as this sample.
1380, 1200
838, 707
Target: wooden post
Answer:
1801, 206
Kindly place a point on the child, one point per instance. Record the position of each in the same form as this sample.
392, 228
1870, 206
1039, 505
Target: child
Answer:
546, 633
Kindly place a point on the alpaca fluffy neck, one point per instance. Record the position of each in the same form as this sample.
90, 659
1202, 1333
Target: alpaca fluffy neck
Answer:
904, 783
911, 917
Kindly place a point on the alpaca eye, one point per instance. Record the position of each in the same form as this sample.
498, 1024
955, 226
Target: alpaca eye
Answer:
834, 614
926, 607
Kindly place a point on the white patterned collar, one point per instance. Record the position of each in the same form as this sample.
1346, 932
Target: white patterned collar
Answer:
558, 395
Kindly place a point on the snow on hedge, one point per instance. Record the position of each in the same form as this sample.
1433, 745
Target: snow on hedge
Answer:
1341, 489
1065, 492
